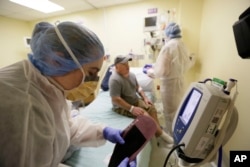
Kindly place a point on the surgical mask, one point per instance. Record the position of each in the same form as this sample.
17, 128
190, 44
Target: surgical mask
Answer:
85, 92
88, 85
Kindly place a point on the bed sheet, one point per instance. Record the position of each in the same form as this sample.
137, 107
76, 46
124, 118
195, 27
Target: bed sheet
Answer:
100, 110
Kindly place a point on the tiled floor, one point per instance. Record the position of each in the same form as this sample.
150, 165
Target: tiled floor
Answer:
158, 155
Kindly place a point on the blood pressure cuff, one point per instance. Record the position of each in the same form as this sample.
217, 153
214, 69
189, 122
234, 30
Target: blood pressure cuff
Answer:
136, 136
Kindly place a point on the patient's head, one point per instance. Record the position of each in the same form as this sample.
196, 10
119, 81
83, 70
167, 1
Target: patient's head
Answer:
121, 59
122, 65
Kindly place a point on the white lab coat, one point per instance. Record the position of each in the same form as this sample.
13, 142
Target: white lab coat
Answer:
171, 64
35, 124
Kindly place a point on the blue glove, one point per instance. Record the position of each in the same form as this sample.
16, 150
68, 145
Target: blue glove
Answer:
113, 135
125, 163
146, 67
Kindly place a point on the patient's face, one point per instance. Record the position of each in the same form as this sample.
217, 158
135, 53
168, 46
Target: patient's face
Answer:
123, 69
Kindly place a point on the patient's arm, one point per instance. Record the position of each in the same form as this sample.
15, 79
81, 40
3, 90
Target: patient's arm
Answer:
123, 104
143, 96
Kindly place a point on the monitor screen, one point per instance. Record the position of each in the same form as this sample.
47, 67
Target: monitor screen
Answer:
150, 23
191, 105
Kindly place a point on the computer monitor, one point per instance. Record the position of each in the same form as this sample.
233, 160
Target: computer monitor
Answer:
150, 23
198, 118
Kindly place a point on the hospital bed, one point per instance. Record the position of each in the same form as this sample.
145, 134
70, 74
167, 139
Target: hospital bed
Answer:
100, 110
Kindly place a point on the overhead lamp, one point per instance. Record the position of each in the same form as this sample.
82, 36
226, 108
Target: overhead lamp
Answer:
44, 6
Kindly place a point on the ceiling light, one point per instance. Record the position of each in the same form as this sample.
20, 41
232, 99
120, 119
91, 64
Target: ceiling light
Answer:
44, 6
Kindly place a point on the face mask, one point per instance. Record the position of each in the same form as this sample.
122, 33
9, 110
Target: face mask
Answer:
86, 89
85, 92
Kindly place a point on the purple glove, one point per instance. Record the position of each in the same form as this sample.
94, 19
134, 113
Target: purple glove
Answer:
113, 135
126, 163
146, 67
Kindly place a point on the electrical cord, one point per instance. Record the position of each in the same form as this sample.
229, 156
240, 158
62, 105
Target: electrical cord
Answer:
220, 157
206, 80
171, 151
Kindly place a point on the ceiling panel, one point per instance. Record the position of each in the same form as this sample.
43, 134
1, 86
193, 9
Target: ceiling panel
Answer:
12, 10
106, 3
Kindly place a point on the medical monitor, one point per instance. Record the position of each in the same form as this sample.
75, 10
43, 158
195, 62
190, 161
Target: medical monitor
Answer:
190, 105
197, 119
150, 23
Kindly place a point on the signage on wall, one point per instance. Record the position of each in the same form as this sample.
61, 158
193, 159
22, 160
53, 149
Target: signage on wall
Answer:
152, 10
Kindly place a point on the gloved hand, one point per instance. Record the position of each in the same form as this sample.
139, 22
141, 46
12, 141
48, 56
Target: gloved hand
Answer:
113, 135
146, 67
126, 163
150, 73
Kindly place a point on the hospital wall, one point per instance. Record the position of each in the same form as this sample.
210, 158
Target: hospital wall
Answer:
219, 58
121, 27
12, 33
207, 31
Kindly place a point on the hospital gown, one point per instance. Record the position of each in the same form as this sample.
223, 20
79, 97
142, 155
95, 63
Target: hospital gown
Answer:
36, 128
171, 64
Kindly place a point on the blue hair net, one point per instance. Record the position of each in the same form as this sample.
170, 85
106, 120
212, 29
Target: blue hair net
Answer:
51, 57
173, 31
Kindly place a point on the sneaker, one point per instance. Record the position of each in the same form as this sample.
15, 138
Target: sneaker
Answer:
165, 140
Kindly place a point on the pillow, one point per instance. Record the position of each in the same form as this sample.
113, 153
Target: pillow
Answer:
144, 81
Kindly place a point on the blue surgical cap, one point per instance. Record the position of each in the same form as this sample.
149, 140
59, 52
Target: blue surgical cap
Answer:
50, 56
173, 31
